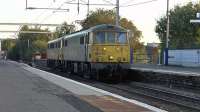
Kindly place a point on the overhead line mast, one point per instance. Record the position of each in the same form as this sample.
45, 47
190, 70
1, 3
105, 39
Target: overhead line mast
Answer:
88, 10
167, 35
117, 12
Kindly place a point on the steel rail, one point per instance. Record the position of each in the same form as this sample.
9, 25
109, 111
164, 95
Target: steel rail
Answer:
134, 91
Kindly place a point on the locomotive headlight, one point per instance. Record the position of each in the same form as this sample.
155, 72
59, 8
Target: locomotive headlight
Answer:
111, 57
104, 48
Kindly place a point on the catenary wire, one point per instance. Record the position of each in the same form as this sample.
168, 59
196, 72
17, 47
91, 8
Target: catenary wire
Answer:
140, 3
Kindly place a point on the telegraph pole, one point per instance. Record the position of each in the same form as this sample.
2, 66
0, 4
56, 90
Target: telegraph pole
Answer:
167, 35
117, 12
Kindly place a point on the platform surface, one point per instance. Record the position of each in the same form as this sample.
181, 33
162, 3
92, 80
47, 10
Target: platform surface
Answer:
26, 89
175, 70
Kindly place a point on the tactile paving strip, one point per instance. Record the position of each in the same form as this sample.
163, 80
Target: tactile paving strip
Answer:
111, 104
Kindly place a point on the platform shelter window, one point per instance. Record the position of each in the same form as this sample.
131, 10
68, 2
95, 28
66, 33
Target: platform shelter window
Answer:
122, 38
99, 38
110, 37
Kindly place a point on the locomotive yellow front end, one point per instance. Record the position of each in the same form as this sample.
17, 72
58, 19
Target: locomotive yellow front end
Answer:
110, 46
110, 53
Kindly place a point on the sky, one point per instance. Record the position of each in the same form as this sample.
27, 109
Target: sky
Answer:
144, 16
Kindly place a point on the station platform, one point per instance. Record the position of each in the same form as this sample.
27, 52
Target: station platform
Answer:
173, 70
27, 89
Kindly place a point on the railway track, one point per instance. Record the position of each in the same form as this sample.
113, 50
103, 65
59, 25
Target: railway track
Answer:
185, 100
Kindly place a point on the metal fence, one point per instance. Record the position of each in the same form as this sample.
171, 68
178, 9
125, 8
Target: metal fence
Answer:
186, 57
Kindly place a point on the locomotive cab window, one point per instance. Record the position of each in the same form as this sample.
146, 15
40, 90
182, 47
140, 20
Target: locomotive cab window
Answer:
122, 38
110, 37
99, 38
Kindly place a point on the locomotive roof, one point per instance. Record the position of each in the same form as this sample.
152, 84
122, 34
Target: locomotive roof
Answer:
94, 28
107, 26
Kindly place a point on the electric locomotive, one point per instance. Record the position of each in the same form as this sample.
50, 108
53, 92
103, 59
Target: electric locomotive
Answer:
98, 52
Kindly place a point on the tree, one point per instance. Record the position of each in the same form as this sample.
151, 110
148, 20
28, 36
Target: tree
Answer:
101, 16
64, 29
134, 41
39, 46
8, 44
183, 34
27, 44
